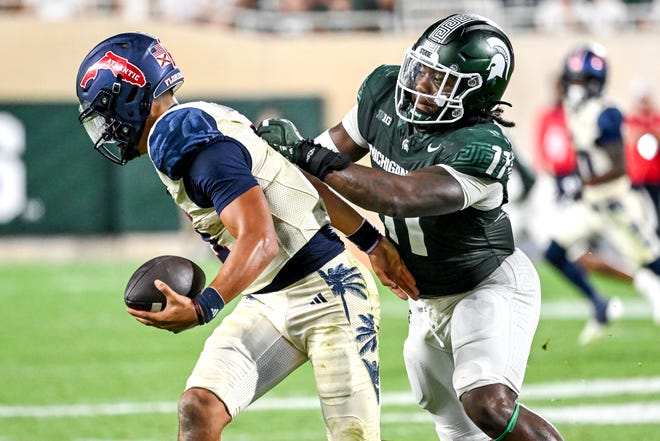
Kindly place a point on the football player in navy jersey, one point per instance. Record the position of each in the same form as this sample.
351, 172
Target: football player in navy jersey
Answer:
440, 163
304, 297
608, 206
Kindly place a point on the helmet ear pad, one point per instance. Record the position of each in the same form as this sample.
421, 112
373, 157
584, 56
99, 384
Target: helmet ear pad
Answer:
132, 151
144, 108
129, 135
594, 87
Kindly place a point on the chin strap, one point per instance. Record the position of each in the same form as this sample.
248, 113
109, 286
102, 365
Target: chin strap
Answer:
128, 153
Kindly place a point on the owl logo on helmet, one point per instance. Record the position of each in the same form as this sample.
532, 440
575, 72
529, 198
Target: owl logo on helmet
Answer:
460, 65
116, 85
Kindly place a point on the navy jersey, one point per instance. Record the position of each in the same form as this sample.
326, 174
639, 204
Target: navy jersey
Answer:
208, 155
451, 253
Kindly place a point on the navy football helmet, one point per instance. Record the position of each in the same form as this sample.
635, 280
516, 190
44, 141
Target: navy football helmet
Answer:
584, 73
116, 85
466, 61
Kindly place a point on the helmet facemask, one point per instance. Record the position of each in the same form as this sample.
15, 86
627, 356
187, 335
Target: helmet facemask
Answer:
440, 100
113, 138
575, 95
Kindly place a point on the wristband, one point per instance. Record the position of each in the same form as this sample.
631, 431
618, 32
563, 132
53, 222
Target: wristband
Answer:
210, 303
198, 311
511, 425
319, 161
366, 237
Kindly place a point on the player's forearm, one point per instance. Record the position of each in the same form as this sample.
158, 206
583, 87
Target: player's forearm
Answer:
604, 178
423, 193
618, 169
247, 260
343, 216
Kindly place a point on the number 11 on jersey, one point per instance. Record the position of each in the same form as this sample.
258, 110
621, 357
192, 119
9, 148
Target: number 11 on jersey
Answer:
414, 232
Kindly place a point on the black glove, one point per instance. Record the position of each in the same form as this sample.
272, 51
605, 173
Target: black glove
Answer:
319, 161
283, 136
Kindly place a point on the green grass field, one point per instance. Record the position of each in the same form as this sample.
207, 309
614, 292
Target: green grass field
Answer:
76, 367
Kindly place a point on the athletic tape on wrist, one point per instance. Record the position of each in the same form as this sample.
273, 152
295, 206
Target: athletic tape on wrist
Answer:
326, 141
366, 237
210, 302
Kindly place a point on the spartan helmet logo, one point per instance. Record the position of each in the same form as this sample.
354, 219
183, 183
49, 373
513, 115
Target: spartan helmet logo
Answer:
500, 64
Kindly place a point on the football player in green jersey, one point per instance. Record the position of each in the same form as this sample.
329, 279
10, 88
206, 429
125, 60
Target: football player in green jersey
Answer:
440, 163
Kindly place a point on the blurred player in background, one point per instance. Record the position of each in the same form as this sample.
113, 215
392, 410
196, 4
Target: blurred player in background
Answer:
305, 298
607, 205
557, 186
556, 182
554, 154
440, 166
642, 136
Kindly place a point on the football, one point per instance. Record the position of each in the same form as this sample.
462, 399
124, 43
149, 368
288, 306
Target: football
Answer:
182, 275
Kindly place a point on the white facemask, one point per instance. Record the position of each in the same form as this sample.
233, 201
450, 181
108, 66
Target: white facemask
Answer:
575, 95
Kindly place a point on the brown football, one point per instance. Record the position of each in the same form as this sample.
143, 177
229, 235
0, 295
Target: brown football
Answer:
182, 275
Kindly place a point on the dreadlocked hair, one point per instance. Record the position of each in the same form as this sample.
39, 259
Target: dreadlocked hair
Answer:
493, 114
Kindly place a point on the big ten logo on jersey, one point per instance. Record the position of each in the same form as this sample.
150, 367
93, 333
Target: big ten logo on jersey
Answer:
384, 117
13, 177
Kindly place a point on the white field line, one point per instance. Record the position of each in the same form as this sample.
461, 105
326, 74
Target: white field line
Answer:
628, 413
617, 414
602, 387
567, 309
635, 309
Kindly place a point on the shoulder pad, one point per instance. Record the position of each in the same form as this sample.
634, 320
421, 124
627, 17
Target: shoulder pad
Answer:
383, 79
485, 152
177, 134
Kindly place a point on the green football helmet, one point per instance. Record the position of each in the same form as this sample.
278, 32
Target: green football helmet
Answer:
461, 65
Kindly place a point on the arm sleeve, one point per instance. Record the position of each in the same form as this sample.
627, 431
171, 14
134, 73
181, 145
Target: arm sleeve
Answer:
479, 193
220, 173
350, 123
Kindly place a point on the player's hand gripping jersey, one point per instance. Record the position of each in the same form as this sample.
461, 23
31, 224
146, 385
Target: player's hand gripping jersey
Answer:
451, 253
218, 135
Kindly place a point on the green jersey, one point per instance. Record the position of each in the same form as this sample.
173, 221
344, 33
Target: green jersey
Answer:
451, 253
